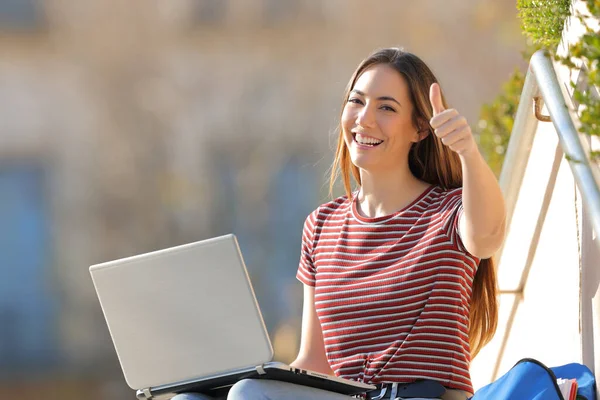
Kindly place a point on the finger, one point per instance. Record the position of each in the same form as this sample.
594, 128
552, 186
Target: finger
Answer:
454, 137
462, 146
455, 123
435, 96
442, 118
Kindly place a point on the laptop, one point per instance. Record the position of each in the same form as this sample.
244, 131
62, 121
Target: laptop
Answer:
185, 319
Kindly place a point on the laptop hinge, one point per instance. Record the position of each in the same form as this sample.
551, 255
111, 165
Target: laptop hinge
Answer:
144, 394
260, 370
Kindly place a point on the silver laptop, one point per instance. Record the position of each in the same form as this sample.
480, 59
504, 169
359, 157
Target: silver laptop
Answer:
185, 319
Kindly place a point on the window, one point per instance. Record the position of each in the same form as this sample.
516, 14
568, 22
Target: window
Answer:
28, 338
293, 194
278, 11
20, 15
209, 12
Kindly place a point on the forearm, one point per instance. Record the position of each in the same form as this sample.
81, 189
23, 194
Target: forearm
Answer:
483, 203
311, 355
307, 363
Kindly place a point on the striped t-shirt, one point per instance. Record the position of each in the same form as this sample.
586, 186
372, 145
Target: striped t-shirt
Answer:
392, 293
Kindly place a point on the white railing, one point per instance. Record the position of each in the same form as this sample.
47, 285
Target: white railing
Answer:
542, 87
541, 83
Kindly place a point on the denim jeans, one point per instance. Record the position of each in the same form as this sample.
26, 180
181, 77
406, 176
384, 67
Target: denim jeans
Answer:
264, 389
259, 389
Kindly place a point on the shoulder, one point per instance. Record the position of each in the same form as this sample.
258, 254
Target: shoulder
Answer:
443, 193
330, 209
443, 197
451, 193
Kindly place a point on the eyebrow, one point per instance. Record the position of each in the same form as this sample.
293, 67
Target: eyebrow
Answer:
381, 98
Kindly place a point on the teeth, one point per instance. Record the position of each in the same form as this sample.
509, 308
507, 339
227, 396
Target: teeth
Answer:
367, 140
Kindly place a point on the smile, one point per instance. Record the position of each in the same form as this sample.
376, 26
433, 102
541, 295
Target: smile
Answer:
366, 141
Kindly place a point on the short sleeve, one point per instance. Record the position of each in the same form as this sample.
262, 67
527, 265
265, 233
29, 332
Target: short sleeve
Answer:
452, 209
306, 270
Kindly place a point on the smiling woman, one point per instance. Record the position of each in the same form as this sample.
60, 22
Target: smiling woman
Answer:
399, 287
373, 117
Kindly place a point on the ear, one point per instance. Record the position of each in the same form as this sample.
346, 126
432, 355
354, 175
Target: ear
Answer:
423, 130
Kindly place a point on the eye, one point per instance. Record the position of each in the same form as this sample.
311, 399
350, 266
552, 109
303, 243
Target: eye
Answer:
355, 100
387, 108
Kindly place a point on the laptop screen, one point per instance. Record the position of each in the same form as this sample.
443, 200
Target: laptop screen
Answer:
182, 313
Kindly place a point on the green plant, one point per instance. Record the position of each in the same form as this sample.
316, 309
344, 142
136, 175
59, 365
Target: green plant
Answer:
587, 52
497, 119
542, 22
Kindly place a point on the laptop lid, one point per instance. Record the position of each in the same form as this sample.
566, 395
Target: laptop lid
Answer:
182, 313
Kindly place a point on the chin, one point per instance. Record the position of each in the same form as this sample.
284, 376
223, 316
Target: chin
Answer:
363, 162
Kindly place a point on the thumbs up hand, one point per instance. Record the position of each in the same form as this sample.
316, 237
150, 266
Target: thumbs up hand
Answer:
451, 127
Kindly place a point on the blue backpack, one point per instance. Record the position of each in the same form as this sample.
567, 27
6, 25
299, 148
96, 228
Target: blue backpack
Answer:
529, 379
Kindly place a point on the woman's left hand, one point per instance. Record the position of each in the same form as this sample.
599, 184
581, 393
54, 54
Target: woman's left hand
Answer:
451, 127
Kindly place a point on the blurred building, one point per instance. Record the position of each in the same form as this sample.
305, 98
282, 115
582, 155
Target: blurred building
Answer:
127, 127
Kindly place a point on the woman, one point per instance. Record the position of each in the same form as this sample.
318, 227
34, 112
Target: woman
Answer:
399, 286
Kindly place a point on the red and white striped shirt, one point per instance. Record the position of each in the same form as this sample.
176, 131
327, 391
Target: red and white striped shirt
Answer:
392, 293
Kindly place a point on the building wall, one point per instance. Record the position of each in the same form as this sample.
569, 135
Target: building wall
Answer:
160, 123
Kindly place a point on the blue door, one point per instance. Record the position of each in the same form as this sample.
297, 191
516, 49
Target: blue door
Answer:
27, 328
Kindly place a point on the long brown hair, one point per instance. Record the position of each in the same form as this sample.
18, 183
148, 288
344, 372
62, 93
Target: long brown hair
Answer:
430, 161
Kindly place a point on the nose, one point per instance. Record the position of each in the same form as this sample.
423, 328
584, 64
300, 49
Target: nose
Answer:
366, 116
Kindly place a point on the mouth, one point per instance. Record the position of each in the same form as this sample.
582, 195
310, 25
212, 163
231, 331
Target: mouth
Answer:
365, 141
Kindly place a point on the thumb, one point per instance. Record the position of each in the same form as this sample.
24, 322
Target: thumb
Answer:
435, 96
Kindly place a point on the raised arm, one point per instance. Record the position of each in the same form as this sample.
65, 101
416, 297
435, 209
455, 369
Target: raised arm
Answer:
483, 223
312, 349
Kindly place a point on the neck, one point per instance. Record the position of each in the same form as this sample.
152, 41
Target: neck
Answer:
385, 192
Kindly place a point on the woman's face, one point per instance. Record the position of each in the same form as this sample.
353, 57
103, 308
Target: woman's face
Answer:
377, 120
